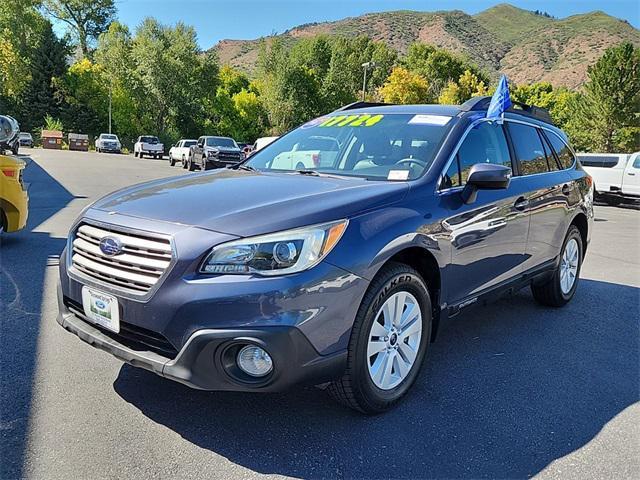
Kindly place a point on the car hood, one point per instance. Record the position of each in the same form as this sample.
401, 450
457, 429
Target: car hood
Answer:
224, 149
244, 203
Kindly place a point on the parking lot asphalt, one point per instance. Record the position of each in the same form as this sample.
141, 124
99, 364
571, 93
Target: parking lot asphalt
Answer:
511, 390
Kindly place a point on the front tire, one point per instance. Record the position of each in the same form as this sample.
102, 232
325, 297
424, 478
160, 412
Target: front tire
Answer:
561, 287
389, 341
190, 166
172, 162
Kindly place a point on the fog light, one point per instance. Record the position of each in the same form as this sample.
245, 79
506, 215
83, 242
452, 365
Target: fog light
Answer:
254, 361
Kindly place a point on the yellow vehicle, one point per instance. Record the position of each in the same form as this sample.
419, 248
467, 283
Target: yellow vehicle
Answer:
14, 201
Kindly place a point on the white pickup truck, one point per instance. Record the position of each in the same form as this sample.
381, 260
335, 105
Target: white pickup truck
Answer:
616, 177
180, 152
314, 152
148, 145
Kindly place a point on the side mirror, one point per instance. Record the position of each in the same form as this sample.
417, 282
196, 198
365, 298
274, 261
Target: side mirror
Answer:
485, 176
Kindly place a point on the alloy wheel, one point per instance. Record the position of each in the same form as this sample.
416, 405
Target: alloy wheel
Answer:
394, 340
569, 266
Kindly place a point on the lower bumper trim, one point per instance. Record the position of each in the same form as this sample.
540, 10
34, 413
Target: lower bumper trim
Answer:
200, 365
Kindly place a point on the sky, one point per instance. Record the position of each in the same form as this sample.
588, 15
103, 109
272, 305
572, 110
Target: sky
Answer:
215, 20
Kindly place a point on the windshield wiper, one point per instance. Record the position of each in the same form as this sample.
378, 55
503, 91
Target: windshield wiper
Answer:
241, 166
308, 172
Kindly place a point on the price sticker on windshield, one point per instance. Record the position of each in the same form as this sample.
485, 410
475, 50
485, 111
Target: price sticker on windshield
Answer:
439, 120
398, 175
355, 120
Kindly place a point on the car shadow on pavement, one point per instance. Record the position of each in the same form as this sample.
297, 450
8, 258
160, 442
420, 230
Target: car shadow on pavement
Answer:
506, 390
24, 258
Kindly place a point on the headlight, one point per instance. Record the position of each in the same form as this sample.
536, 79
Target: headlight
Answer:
279, 253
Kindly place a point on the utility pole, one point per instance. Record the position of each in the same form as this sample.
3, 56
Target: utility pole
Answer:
109, 108
366, 66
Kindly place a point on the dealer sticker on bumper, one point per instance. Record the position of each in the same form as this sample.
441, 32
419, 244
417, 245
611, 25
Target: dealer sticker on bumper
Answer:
101, 308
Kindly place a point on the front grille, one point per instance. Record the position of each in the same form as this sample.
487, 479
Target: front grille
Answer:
229, 156
136, 338
138, 268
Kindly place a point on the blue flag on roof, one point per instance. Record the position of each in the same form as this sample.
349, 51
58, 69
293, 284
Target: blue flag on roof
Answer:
500, 102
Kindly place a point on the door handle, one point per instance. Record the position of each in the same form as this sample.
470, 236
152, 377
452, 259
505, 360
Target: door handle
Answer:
521, 203
631, 173
566, 189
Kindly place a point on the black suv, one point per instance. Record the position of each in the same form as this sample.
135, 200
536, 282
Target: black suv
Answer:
214, 152
338, 273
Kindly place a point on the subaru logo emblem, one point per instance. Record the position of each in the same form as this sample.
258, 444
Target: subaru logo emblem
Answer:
110, 246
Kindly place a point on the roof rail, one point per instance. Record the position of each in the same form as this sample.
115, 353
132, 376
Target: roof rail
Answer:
482, 103
354, 105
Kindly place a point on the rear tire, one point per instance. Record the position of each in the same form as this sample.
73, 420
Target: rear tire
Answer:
560, 288
172, 162
190, 166
385, 345
141, 155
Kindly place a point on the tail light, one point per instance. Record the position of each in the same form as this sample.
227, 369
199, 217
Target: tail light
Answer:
9, 172
316, 159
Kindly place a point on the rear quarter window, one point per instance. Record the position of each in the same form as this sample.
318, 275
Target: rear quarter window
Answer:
562, 150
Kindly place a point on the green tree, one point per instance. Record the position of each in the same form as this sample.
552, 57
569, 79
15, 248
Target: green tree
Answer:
439, 67
21, 26
48, 63
609, 108
467, 86
405, 87
343, 82
85, 98
87, 19
171, 79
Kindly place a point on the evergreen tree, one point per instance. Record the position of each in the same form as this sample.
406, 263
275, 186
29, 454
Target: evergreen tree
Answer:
39, 97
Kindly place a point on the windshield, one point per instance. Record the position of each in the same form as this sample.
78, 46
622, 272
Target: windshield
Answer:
109, 137
151, 140
25, 135
385, 147
221, 142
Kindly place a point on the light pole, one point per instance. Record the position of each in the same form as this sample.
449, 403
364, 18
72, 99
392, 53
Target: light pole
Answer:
366, 66
109, 108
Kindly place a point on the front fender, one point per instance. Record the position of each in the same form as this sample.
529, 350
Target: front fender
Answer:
373, 238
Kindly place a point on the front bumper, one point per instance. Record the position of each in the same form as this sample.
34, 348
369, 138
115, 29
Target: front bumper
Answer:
15, 205
111, 149
222, 163
203, 362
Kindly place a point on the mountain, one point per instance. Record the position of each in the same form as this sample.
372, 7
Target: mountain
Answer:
527, 46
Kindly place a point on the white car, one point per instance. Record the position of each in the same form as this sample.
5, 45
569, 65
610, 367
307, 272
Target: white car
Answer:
148, 145
107, 142
616, 176
313, 152
263, 142
180, 151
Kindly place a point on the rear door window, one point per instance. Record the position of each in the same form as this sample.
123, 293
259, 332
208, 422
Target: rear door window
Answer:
529, 149
485, 143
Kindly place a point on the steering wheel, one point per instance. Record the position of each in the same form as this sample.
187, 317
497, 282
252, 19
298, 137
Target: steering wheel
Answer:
421, 163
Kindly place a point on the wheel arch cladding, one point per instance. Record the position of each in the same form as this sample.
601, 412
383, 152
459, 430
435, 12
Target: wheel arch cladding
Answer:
423, 261
581, 223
